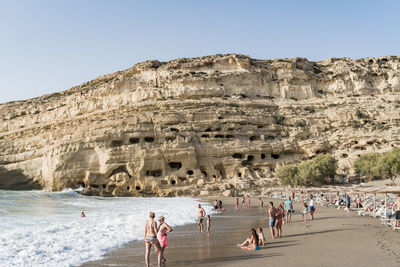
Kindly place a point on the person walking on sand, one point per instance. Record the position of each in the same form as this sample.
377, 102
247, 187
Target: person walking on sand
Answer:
261, 202
288, 209
201, 213
150, 239
279, 221
396, 207
312, 207
272, 218
236, 203
163, 230
208, 224
243, 200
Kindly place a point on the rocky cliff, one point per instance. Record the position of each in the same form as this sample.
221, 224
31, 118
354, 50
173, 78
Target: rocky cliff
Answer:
208, 125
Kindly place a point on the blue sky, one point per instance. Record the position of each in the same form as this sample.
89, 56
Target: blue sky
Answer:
49, 46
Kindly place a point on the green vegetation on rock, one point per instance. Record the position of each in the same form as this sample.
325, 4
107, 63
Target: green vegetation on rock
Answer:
314, 172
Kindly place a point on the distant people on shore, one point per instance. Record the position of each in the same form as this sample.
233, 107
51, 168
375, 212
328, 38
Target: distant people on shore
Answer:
251, 243
83, 215
163, 230
248, 201
279, 220
261, 238
396, 208
150, 239
243, 200
261, 202
208, 224
288, 209
201, 213
220, 208
215, 204
305, 211
348, 200
312, 207
236, 203
272, 218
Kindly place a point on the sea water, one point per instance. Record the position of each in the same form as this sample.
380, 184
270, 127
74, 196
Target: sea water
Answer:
45, 229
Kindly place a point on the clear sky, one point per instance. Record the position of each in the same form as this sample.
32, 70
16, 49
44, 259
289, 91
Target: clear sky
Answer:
49, 46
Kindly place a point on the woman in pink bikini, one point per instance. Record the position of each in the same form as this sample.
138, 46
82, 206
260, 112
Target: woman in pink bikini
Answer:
163, 229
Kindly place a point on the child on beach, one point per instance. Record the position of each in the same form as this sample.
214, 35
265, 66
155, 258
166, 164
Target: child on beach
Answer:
261, 202
305, 211
208, 224
251, 243
261, 238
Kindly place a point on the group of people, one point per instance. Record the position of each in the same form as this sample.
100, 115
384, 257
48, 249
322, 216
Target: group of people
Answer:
156, 235
243, 201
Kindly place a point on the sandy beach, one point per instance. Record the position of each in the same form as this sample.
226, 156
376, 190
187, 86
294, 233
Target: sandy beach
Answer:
333, 238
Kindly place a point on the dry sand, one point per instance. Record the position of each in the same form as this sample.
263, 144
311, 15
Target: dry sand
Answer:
333, 238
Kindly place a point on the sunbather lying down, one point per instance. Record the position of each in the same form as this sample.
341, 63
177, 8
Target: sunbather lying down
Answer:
369, 208
251, 243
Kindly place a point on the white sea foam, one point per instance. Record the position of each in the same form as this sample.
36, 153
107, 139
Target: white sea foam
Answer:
45, 229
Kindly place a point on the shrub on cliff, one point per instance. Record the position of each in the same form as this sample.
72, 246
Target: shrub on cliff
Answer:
315, 172
375, 165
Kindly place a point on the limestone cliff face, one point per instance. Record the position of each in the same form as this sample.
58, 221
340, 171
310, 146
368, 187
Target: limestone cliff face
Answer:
200, 125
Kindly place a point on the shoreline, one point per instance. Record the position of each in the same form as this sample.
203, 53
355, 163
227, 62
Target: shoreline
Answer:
333, 238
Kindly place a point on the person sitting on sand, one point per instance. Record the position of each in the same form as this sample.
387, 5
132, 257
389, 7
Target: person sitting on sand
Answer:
251, 243
369, 209
201, 213
208, 224
305, 211
215, 205
272, 218
83, 214
163, 230
150, 239
220, 208
261, 239
261, 202
279, 221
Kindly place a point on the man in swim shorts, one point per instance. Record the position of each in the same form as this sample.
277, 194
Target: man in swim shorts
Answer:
396, 207
272, 218
201, 213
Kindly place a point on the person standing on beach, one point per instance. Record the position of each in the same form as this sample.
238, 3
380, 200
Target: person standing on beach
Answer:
248, 201
243, 200
150, 239
201, 213
288, 209
208, 224
396, 206
312, 207
236, 202
272, 218
261, 202
163, 230
348, 200
279, 220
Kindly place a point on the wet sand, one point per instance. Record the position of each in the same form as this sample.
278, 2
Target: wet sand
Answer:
333, 238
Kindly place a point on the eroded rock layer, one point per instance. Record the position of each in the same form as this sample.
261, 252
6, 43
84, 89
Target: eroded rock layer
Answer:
209, 125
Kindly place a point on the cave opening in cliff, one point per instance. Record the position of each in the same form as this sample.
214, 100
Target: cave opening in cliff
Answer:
174, 130
254, 138
205, 135
116, 143
208, 130
202, 169
239, 174
262, 156
128, 188
137, 188
173, 182
155, 173
134, 140
260, 126
104, 186
220, 117
170, 138
219, 136
182, 179
250, 158
120, 169
190, 172
149, 139
81, 184
175, 165
229, 136
275, 156
237, 156
221, 169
